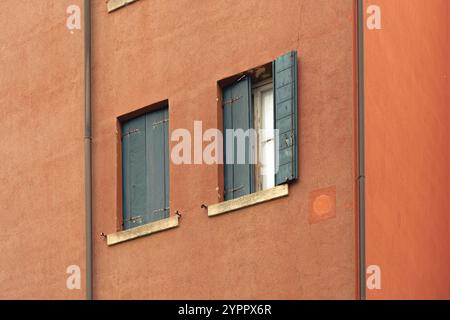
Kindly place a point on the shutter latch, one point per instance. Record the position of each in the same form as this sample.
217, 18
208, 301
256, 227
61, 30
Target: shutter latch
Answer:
289, 139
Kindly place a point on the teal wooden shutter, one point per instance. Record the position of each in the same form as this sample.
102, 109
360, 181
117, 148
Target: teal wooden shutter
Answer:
157, 165
145, 169
133, 166
237, 114
285, 102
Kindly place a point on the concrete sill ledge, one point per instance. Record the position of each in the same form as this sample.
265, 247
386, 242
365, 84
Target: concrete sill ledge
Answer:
145, 230
248, 200
117, 4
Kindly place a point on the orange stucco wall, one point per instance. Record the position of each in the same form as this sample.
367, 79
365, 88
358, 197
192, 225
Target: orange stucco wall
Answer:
178, 50
146, 52
41, 149
154, 50
407, 141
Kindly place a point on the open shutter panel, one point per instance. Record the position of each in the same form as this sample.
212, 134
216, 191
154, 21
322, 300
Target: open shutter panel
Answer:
285, 101
134, 177
238, 178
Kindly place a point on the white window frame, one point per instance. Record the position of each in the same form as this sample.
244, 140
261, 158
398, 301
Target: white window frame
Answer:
257, 92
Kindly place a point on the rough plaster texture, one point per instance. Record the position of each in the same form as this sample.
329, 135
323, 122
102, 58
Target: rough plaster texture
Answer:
154, 50
178, 50
408, 159
144, 53
41, 147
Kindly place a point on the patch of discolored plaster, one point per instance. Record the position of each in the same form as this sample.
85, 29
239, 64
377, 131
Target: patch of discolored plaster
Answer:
322, 205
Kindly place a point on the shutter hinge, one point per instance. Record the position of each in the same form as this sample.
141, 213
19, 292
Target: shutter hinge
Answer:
232, 100
160, 210
241, 77
154, 124
136, 219
233, 190
130, 132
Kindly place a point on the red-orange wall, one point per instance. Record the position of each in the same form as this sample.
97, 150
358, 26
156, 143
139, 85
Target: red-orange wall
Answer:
148, 52
41, 149
407, 143
178, 50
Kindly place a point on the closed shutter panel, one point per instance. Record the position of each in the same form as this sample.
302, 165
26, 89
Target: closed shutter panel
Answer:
134, 174
157, 165
285, 97
166, 153
145, 169
238, 178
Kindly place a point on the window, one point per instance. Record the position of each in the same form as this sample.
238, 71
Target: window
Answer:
264, 128
263, 103
145, 168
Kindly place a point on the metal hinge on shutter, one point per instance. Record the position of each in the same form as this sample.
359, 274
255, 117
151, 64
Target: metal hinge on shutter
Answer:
232, 100
234, 189
130, 132
138, 219
241, 77
154, 124
161, 210
235, 98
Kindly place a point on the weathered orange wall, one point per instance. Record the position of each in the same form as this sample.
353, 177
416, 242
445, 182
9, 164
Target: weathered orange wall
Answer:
154, 50
407, 143
41, 149
177, 50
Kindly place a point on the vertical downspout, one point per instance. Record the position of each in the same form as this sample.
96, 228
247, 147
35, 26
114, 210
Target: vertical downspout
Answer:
88, 146
361, 155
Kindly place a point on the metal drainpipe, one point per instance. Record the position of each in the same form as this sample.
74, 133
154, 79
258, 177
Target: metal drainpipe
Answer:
361, 155
88, 146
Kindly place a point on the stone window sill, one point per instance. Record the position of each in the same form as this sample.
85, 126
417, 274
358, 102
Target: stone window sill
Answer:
248, 200
141, 231
117, 4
